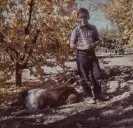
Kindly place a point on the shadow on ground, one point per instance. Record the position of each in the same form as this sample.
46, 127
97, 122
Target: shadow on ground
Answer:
120, 73
116, 113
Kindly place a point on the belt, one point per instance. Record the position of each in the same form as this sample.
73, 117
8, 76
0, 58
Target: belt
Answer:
90, 54
86, 51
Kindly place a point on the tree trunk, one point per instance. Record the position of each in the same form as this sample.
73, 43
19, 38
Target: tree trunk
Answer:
18, 75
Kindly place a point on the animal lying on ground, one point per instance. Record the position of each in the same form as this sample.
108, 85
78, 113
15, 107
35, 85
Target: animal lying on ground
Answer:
37, 99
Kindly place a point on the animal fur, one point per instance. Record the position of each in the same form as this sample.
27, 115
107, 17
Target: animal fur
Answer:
37, 99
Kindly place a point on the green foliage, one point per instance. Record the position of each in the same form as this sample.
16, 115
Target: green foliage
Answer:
112, 40
120, 13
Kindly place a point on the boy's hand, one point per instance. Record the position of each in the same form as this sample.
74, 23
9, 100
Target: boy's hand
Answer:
90, 46
95, 44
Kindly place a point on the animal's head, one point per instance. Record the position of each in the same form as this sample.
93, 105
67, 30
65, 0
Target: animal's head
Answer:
74, 98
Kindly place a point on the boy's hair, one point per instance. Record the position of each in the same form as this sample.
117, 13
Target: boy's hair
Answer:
82, 10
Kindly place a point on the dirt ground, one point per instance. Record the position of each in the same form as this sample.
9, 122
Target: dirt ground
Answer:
115, 113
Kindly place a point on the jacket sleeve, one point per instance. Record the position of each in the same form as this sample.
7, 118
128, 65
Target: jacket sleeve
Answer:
96, 34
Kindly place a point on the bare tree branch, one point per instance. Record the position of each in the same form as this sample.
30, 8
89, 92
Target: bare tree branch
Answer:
14, 50
31, 4
31, 50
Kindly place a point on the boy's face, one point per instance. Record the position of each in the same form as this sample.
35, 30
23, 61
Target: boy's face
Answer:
83, 19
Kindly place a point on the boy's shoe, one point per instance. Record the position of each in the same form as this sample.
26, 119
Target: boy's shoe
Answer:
102, 98
90, 100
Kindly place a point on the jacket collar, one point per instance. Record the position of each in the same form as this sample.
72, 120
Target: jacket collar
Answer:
87, 25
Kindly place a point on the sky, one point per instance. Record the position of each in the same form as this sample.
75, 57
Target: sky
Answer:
96, 17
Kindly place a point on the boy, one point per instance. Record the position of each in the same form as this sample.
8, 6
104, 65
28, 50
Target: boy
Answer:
84, 39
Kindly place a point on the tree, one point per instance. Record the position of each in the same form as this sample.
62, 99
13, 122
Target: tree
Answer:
32, 30
120, 13
112, 41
